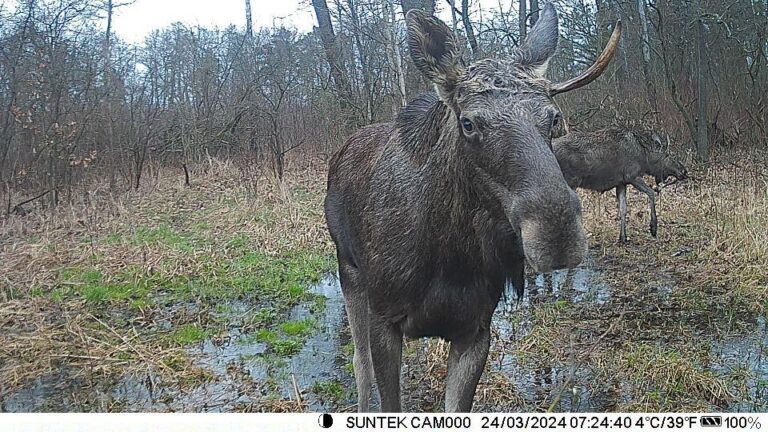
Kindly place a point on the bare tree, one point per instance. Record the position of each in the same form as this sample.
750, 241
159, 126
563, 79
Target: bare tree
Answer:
468, 28
363, 55
77, 101
646, 50
702, 140
534, 11
333, 57
393, 52
248, 19
454, 20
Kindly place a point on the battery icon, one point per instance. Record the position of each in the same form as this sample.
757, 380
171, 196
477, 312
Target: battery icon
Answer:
711, 421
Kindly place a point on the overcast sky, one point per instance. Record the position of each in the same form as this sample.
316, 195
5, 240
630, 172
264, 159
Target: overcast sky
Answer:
134, 22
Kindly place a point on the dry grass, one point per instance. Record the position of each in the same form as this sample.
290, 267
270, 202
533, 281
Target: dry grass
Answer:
659, 377
712, 236
88, 288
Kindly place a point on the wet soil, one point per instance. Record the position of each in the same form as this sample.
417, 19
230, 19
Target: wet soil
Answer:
238, 374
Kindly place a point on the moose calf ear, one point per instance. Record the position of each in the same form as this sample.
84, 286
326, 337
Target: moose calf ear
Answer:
434, 50
541, 43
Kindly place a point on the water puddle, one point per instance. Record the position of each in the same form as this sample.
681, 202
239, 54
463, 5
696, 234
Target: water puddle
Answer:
238, 373
745, 355
242, 373
579, 285
560, 388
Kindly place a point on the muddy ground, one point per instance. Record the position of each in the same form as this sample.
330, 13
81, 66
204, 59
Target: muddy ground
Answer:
223, 297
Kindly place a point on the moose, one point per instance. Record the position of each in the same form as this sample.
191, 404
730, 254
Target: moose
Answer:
614, 158
432, 214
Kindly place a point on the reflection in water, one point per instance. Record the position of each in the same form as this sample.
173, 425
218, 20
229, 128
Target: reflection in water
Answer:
243, 373
577, 285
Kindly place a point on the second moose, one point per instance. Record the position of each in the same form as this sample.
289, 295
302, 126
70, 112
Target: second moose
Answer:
614, 158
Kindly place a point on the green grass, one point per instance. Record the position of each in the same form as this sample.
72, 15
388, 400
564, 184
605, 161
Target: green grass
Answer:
162, 235
285, 339
194, 269
113, 239
266, 336
94, 287
332, 390
239, 242
188, 334
261, 318
659, 374
280, 281
287, 347
298, 328
201, 226
348, 349
101, 293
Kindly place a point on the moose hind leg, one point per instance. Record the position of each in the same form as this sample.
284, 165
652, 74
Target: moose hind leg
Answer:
466, 361
621, 196
640, 185
356, 301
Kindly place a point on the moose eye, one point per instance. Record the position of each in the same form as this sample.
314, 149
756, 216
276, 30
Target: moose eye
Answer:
467, 125
556, 128
556, 120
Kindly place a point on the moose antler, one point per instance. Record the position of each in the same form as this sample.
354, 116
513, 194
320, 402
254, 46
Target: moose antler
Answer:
593, 71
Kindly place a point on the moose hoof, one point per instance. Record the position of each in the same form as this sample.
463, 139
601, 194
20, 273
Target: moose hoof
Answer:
653, 231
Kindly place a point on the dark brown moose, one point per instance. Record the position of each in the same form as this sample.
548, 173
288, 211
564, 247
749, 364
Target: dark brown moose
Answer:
614, 158
431, 214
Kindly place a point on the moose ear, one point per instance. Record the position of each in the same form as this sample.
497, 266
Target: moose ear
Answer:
540, 44
434, 50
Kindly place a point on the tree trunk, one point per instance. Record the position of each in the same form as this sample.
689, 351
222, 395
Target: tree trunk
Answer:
468, 28
393, 52
454, 20
109, 21
534, 11
108, 112
523, 17
248, 19
646, 48
363, 61
328, 38
702, 140
689, 122
623, 69
415, 82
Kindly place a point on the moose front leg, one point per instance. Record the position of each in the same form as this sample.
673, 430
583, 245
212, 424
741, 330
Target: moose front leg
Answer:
356, 302
640, 185
386, 353
466, 361
621, 196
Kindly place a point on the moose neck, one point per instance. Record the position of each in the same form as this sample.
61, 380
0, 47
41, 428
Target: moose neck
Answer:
656, 164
